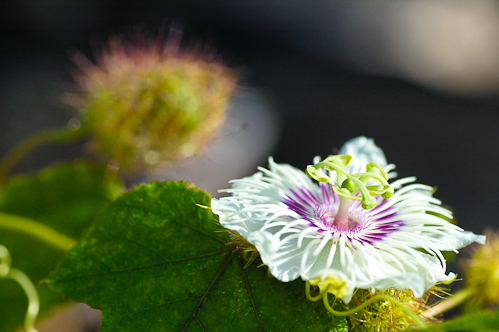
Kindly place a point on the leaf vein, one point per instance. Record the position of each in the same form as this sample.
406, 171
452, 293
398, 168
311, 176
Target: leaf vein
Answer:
138, 268
253, 304
248, 289
199, 323
201, 299
140, 244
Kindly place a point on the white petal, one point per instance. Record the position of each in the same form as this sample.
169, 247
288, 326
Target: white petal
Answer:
458, 240
286, 268
363, 150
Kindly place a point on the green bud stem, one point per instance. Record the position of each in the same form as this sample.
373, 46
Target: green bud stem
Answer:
33, 300
38, 139
36, 230
29, 289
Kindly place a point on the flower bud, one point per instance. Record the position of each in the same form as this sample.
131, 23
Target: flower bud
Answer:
147, 102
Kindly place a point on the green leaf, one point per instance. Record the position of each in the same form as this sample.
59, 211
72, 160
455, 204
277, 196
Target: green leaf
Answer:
58, 204
480, 322
157, 261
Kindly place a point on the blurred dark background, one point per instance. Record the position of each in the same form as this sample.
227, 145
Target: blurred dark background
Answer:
420, 77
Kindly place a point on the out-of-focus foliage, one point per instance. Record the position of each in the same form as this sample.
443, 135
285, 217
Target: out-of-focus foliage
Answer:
482, 274
477, 322
66, 198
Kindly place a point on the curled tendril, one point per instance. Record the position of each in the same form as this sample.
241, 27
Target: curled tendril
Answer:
350, 185
6, 271
323, 294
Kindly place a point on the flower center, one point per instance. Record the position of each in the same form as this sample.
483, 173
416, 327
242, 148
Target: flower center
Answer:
362, 187
332, 219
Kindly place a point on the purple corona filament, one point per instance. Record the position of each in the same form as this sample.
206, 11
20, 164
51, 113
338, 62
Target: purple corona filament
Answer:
320, 209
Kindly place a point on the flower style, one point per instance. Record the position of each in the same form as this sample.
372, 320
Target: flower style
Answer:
351, 230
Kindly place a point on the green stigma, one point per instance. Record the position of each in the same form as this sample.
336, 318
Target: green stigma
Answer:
350, 185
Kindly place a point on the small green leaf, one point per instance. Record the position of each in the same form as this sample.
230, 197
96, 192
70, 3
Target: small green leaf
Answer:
157, 261
58, 204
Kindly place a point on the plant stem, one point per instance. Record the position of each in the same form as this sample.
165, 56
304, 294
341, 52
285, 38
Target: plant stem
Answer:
37, 230
44, 137
402, 306
33, 300
310, 297
451, 302
6, 271
324, 295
